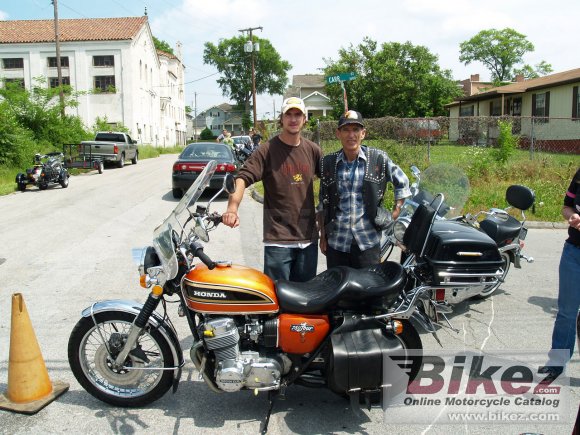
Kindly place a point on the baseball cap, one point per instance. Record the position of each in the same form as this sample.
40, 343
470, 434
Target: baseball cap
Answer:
351, 117
293, 102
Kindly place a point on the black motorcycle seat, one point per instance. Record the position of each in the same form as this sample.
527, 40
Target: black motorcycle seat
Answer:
501, 230
342, 287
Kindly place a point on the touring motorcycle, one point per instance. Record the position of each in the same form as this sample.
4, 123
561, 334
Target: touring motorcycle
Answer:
47, 168
251, 333
506, 232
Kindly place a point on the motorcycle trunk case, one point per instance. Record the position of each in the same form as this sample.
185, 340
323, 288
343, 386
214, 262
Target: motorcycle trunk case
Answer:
230, 290
459, 253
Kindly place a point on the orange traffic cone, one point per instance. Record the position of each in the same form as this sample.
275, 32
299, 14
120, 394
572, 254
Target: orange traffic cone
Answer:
29, 387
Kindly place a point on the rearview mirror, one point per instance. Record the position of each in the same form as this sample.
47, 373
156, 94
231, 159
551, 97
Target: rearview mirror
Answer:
229, 183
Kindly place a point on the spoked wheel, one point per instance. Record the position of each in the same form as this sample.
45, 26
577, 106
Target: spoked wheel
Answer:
488, 291
93, 348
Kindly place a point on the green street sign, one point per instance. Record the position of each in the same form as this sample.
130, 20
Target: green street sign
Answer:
340, 78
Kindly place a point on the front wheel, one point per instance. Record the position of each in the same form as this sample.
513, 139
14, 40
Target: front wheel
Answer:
488, 291
64, 181
135, 159
92, 347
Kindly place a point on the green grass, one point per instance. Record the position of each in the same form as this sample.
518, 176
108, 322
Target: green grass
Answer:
547, 174
8, 174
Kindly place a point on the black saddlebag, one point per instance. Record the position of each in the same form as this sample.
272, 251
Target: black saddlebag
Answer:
356, 360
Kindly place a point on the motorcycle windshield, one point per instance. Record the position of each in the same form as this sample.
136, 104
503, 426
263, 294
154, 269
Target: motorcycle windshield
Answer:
171, 227
445, 179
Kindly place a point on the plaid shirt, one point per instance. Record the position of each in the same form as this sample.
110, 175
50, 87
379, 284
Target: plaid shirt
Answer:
351, 222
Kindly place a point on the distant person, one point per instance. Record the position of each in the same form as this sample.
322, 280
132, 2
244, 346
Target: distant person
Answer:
564, 333
228, 140
256, 138
352, 186
286, 164
222, 135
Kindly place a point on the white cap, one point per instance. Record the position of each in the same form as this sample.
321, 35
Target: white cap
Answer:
293, 102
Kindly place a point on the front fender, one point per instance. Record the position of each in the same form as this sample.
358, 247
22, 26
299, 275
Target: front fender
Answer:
155, 321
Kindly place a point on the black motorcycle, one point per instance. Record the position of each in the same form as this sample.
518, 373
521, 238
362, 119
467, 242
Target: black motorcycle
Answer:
47, 168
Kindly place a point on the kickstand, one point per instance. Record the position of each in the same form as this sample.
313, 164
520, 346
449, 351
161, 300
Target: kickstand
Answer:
448, 323
271, 398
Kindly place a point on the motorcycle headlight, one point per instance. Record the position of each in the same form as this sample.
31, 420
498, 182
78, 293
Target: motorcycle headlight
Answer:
399, 228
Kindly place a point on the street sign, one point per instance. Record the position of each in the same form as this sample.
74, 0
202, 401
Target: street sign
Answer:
340, 78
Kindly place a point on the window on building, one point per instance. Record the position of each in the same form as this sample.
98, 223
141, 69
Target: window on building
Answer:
13, 63
575, 103
541, 106
14, 82
104, 84
63, 62
53, 81
466, 110
495, 108
516, 109
104, 60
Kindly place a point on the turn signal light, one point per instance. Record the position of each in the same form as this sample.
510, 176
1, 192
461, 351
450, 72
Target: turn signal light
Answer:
397, 327
143, 281
157, 290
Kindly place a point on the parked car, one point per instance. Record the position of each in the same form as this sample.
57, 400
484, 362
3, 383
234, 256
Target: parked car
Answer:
419, 130
194, 158
112, 146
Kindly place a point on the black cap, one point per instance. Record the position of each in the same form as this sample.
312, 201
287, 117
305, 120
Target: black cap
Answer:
351, 117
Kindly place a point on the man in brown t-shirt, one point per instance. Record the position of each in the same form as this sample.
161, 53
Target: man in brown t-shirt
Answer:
286, 165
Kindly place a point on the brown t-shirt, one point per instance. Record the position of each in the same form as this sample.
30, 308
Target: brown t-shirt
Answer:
287, 173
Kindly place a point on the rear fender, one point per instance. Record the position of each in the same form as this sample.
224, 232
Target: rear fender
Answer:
155, 321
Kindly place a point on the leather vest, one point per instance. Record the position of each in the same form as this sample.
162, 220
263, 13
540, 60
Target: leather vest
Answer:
373, 186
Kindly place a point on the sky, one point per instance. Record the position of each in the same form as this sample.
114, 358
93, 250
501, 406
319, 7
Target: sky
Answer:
306, 32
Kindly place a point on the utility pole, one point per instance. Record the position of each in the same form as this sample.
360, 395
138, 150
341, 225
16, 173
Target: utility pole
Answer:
251, 48
58, 68
195, 116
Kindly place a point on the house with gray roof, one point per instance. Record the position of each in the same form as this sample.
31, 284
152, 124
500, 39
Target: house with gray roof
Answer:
310, 87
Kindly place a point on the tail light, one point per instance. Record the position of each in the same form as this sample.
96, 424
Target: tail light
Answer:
115, 149
225, 167
188, 167
440, 294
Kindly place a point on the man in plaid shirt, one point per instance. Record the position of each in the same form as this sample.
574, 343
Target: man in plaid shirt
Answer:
352, 186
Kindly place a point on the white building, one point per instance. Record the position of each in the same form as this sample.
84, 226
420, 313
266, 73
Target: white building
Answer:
113, 62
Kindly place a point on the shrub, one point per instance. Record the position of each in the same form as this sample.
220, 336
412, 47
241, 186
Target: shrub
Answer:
206, 134
507, 143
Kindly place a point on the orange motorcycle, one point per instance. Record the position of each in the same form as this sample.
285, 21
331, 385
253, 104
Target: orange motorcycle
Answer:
249, 333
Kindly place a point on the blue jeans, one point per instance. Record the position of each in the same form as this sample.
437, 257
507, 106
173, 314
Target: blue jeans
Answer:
293, 264
564, 335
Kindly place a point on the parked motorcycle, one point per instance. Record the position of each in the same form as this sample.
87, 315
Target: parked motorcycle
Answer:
242, 153
48, 168
250, 333
507, 233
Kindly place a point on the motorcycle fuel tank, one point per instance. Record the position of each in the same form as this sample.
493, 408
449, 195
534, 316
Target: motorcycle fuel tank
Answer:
229, 289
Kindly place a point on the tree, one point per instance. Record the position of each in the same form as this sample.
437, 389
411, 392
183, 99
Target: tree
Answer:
540, 69
392, 80
234, 66
500, 51
162, 45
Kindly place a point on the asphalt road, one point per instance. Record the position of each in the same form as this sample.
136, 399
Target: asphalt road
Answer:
65, 248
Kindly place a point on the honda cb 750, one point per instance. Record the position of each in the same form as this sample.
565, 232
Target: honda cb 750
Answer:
47, 169
250, 332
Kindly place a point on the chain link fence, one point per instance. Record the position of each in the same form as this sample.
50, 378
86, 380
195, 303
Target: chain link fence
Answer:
536, 134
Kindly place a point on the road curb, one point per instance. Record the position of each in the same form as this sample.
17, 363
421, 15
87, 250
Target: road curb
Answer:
530, 224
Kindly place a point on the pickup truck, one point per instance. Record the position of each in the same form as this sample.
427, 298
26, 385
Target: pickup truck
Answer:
112, 146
